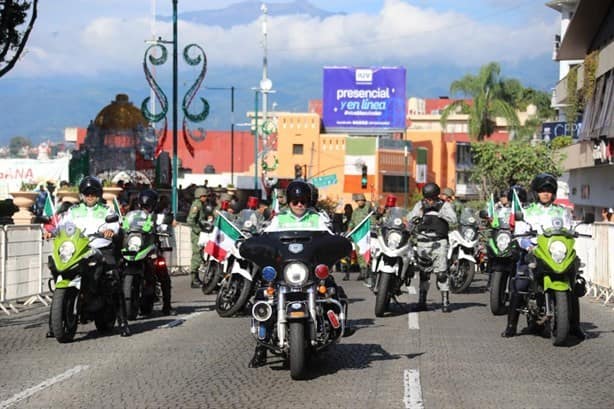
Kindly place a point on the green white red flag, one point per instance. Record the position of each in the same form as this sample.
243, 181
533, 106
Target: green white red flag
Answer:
223, 238
516, 207
492, 212
361, 235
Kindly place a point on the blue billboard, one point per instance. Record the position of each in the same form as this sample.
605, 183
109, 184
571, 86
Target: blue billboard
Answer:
551, 130
364, 100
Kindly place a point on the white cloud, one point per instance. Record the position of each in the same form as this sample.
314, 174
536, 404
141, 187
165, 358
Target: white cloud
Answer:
399, 34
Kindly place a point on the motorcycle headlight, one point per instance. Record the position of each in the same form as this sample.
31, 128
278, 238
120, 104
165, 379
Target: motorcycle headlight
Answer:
397, 221
394, 239
503, 240
66, 250
296, 274
469, 234
557, 251
134, 243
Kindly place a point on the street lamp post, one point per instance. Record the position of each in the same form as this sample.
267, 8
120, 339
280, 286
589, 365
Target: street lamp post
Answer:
187, 99
405, 182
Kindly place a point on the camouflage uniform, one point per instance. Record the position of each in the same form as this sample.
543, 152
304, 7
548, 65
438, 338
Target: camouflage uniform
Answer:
358, 215
434, 244
198, 216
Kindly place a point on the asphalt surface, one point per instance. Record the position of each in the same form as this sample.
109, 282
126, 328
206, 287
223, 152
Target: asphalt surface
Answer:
420, 360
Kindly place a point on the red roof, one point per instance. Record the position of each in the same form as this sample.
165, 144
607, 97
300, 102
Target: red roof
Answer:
214, 150
438, 104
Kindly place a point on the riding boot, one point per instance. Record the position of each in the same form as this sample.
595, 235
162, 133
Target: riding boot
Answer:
166, 295
512, 317
50, 333
445, 301
196, 283
574, 328
123, 320
421, 306
259, 358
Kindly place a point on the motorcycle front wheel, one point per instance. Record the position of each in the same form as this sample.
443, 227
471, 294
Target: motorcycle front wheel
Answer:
559, 323
498, 285
64, 319
212, 276
382, 298
461, 279
297, 350
232, 296
131, 290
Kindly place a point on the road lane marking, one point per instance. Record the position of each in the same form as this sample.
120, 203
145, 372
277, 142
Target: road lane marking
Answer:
43, 385
180, 320
412, 320
413, 390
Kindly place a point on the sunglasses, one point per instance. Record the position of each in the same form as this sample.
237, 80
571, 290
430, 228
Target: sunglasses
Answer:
297, 201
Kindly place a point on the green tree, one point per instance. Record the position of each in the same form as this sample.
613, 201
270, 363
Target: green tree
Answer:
16, 143
489, 101
13, 13
497, 166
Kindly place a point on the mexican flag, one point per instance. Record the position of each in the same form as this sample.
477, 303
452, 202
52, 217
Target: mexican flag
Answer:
516, 207
361, 235
223, 237
117, 208
275, 202
491, 212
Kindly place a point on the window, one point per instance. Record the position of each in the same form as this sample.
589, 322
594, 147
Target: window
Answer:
394, 184
297, 149
463, 155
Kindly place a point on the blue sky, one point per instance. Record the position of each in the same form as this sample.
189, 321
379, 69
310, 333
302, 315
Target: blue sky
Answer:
83, 52
99, 36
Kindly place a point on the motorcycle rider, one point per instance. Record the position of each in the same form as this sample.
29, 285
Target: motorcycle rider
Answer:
537, 214
433, 217
201, 212
147, 201
299, 216
89, 215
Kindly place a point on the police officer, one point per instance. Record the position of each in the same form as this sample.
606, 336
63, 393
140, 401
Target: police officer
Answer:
201, 213
361, 211
536, 215
433, 217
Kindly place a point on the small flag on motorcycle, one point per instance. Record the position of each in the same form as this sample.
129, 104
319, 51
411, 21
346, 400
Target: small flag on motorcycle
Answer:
491, 212
516, 207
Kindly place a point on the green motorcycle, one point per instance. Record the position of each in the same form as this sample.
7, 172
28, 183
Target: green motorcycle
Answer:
553, 274
83, 290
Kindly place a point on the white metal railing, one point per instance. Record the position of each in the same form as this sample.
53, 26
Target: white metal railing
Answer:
23, 263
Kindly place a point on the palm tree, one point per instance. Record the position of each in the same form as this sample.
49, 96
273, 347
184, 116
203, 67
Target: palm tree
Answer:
13, 13
489, 100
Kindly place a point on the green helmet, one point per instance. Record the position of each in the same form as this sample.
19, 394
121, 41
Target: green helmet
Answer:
199, 191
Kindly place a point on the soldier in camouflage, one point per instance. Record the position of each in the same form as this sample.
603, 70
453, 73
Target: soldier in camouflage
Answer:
432, 218
199, 218
361, 211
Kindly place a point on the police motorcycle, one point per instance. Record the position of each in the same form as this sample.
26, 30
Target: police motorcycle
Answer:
393, 258
553, 273
502, 255
463, 243
83, 290
210, 271
299, 310
241, 274
144, 242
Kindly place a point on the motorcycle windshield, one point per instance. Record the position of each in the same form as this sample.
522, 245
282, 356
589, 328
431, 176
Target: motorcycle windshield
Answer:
280, 247
468, 216
249, 221
137, 221
396, 218
503, 215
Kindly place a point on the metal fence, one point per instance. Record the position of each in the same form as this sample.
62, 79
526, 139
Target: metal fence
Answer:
23, 263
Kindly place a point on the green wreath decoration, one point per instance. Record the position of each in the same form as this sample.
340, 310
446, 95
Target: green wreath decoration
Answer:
266, 167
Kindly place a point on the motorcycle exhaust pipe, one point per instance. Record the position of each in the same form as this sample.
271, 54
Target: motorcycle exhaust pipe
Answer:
262, 311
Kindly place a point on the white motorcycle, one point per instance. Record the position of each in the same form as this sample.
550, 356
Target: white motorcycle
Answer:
237, 286
392, 259
462, 243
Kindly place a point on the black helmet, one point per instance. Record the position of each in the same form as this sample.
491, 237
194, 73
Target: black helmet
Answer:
544, 182
90, 185
148, 199
520, 191
299, 190
430, 191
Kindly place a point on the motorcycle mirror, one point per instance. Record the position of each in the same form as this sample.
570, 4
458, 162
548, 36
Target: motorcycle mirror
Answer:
483, 214
519, 216
111, 218
589, 218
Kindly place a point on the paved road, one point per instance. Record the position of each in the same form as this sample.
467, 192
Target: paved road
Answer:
429, 360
